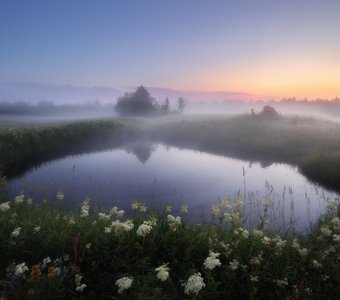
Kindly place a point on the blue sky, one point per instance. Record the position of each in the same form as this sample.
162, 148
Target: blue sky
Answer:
270, 48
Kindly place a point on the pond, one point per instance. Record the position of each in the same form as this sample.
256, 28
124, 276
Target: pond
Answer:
162, 175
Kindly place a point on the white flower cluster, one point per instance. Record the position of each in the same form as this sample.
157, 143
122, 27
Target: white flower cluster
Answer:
4, 206
124, 283
114, 212
79, 286
121, 227
233, 265
85, 208
60, 196
162, 272
281, 283
243, 233
144, 229
212, 261
139, 205
194, 284
184, 209
19, 199
20, 269
16, 232
173, 222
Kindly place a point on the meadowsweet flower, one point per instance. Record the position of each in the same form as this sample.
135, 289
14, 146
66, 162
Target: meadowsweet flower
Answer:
316, 264
80, 288
36, 229
325, 230
124, 283
5, 206
254, 278
16, 232
233, 265
336, 223
120, 214
266, 241
60, 196
20, 269
29, 201
139, 205
120, 227
88, 245
257, 233
103, 216
256, 260
19, 199
108, 229
336, 237
267, 202
303, 252
85, 208
212, 261
215, 210
184, 209
162, 272
281, 283
295, 244
225, 203
173, 222
239, 202
244, 233
194, 284
168, 208
143, 229
71, 221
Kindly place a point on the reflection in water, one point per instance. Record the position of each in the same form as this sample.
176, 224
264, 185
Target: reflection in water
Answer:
164, 175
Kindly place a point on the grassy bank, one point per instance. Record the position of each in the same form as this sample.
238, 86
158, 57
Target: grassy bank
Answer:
26, 145
48, 253
311, 144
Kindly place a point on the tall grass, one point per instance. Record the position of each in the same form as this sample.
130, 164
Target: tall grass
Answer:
48, 253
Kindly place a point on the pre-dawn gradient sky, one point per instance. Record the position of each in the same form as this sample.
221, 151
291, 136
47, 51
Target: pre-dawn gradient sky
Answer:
270, 48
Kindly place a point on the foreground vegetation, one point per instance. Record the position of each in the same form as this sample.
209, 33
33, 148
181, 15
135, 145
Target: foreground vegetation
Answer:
49, 253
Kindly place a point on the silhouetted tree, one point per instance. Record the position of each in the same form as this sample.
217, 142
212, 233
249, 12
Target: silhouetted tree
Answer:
139, 102
181, 104
165, 109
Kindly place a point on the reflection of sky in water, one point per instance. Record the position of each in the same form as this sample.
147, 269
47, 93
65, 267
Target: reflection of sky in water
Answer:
177, 176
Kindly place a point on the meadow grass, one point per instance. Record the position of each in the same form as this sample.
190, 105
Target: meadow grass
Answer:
49, 253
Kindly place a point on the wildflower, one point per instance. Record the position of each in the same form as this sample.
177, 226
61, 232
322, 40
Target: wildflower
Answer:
336, 223
266, 241
103, 216
267, 202
233, 265
4, 206
239, 202
215, 210
88, 246
303, 252
140, 205
35, 273
325, 230
173, 222
71, 221
124, 283
108, 229
121, 227
184, 209
162, 272
257, 233
80, 288
295, 244
45, 262
85, 208
16, 232
212, 261
316, 264
20, 269
29, 201
60, 196
281, 283
36, 229
244, 233
256, 260
50, 272
19, 199
336, 237
77, 279
120, 214
254, 278
143, 229
194, 284
225, 203
168, 208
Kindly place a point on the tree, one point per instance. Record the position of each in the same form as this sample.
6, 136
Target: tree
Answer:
165, 109
181, 104
137, 103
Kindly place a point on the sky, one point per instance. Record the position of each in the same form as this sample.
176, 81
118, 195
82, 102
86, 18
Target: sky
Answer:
272, 49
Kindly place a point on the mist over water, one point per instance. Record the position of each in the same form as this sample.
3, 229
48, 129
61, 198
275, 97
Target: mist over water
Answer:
162, 175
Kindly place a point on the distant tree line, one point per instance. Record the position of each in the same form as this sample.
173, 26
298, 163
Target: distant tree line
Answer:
141, 103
